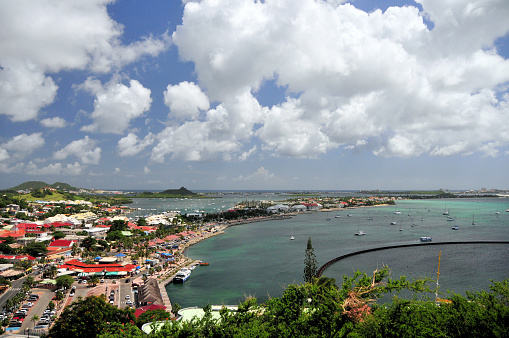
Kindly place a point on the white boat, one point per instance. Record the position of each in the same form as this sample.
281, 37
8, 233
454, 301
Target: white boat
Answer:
339, 216
182, 275
397, 212
393, 223
455, 227
425, 239
292, 238
360, 233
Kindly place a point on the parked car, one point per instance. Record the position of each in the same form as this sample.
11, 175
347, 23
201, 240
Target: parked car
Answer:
129, 302
127, 297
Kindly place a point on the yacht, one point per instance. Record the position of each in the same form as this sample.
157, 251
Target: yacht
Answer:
182, 275
455, 227
393, 223
360, 233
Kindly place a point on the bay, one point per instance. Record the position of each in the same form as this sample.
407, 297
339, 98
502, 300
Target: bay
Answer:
259, 259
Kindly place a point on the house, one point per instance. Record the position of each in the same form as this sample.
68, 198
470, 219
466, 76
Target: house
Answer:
61, 243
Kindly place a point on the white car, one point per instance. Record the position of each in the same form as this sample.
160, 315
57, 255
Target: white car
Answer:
127, 297
112, 302
129, 302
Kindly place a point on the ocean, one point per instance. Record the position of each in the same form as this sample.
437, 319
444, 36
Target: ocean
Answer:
259, 259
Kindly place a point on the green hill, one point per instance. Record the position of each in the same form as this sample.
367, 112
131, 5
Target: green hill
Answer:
33, 185
182, 192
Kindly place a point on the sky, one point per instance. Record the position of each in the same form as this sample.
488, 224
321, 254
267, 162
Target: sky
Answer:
258, 95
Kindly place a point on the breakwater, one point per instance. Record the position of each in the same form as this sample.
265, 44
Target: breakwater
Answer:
337, 259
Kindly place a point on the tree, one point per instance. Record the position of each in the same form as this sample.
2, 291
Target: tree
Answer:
58, 235
93, 281
88, 242
89, 317
152, 316
64, 281
51, 305
35, 249
310, 263
34, 319
53, 270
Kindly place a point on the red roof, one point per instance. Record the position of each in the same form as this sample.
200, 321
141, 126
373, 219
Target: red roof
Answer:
74, 264
143, 309
63, 243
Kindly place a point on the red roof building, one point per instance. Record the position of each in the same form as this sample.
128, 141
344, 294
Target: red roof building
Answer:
143, 309
62, 243
75, 264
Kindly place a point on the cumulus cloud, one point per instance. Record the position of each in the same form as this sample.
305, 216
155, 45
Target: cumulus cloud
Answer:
47, 37
146, 170
22, 145
116, 105
185, 100
84, 149
50, 169
383, 78
131, 145
24, 90
218, 135
54, 122
261, 174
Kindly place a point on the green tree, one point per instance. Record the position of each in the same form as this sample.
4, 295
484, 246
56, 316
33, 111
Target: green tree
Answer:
35, 249
58, 235
89, 317
51, 305
152, 316
64, 281
34, 319
88, 242
310, 263
93, 280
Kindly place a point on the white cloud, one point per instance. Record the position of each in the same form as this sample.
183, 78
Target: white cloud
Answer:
116, 171
132, 145
261, 174
24, 90
116, 105
4, 155
146, 170
55, 122
23, 145
47, 37
84, 149
73, 169
382, 78
50, 169
185, 100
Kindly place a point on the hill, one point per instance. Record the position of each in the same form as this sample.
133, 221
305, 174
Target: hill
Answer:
182, 192
32, 185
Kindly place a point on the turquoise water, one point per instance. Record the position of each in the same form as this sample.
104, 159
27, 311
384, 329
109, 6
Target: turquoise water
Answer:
258, 259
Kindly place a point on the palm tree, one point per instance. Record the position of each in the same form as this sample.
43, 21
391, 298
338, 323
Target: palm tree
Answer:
53, 270
34, 319
93, 280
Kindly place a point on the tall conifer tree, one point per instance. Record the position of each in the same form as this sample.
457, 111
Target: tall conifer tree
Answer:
310, 263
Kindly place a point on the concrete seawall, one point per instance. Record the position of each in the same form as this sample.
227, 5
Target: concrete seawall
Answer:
337, 259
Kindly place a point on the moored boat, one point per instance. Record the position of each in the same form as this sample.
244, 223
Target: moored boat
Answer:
360, 233
182, 275
204, 263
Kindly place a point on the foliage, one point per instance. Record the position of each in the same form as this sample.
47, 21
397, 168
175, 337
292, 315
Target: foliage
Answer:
58, 235
310, 263
35, 249
89, 317
64, 281
152, 315
88, 242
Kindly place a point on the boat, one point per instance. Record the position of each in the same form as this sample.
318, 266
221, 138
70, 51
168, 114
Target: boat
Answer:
204, 263
393, 223
397, 212
339, 216
455, 227
292, 238
360, 233
327, 219
370, 218
182, 275
425, 239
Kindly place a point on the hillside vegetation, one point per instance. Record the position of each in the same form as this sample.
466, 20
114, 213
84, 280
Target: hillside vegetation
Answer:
316, 309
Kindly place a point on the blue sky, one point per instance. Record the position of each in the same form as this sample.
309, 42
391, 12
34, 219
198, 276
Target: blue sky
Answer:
238, 94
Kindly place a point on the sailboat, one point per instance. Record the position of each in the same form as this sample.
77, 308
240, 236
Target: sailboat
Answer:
292, 238
473, 222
